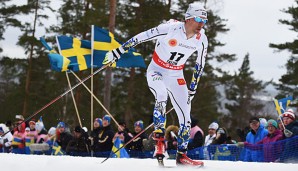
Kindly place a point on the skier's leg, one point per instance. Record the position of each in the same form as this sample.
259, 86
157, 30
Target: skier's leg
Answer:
157, 87
178, 93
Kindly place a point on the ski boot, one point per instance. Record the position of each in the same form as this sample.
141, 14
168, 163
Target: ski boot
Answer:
160, 148
183, 160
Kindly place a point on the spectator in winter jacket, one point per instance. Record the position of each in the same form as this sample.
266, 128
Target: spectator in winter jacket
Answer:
212, 128
256, 134
94, 135
105, 137
122, 133
196, 138
62, 136
137, 144
18, 142
5, 141
30, 136
291, 147
271, 149
78, 144
42, 132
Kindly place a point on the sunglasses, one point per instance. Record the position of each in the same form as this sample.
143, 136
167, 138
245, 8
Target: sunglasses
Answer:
200, 20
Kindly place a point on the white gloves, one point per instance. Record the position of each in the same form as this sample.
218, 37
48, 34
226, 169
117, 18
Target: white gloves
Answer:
191, 94
113, 56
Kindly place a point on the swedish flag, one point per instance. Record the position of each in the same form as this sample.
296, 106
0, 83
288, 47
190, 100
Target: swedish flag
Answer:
282, 104
104, 41
57, 150
76, 50
122, 153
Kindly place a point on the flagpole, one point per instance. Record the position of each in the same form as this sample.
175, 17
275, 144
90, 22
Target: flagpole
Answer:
73, 99
92, 65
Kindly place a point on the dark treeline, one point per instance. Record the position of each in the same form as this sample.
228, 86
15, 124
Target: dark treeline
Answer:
28, 84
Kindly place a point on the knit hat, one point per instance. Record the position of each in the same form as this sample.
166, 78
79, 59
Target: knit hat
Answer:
289, 113
32, 122
139, 123
39, 126
271, 122
61, 125
107, 118
263, 121
85, 129
195, 10
99, 121
52, 131
27, 129
254, 118
213, 125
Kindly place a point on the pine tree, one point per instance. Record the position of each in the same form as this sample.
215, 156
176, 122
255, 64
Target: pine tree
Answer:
289, 80
240, 92
7, 17
30, 43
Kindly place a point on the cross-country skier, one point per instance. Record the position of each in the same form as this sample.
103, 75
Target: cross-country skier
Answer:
176, 42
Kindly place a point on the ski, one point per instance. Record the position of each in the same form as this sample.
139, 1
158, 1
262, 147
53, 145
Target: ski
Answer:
182, 166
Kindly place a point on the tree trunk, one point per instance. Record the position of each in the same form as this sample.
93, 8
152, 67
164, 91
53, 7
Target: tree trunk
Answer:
29, 71
108, 77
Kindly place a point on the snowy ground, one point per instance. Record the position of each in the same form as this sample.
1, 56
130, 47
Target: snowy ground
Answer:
13, 162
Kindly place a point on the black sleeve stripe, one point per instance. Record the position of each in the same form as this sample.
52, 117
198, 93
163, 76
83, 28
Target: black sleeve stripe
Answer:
154, 37
118, 51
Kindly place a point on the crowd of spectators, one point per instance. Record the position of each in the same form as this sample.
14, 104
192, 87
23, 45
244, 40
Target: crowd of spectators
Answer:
264, 141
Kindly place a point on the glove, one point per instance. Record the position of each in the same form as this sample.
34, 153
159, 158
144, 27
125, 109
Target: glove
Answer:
113, 56
191, 94
7, 144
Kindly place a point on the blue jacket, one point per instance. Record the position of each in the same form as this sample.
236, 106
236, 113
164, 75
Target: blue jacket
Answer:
252, 138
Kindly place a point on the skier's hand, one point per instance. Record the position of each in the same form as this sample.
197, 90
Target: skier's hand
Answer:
191, 94
113, 56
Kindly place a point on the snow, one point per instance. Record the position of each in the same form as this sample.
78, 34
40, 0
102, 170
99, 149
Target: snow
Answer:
12, 162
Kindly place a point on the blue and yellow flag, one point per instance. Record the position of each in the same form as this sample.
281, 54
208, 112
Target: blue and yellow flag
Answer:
282, 104
76, 50
57, 150
104, 41
122, 153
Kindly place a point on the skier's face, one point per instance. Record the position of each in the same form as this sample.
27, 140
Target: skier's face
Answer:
198, 23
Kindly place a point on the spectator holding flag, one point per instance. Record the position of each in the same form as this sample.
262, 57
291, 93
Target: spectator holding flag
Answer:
291, 147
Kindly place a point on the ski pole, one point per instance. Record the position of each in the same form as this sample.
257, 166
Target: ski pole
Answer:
60, 96
133, 138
